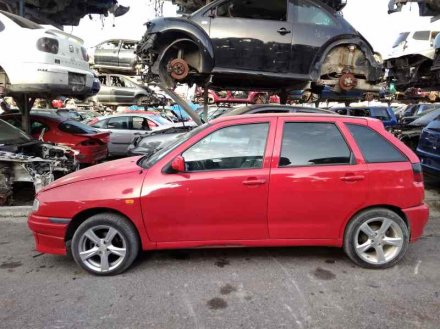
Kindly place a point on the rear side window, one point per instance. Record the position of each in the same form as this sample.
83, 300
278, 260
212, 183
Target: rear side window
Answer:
422, 35
380, 113
374, 147
275, 10
312, 144
118, 123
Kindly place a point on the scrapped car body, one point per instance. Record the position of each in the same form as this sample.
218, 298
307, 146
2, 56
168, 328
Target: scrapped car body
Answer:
124, 127
250, 181
268, 45
44, 62
23, 159
383, 113
426, 7
115, 56
410, 133
117, 89
411, 60
90, 144
429, 148
232, 97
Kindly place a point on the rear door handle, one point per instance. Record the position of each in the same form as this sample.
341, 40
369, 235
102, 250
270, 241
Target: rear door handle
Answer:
283, 31
352, 178
252, 182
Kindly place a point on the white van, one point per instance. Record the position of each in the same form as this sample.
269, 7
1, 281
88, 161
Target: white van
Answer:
414, 43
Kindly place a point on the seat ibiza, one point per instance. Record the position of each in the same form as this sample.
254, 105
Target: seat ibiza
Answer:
252, 181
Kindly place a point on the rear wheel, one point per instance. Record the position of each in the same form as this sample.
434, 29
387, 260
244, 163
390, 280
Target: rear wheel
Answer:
105, 244
376, 238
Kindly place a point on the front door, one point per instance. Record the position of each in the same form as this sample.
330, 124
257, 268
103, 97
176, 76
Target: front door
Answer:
223, 193
121, 134
316, 181
123, 91
251, 35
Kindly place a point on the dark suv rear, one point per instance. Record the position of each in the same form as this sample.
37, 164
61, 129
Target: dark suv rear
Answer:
429, 148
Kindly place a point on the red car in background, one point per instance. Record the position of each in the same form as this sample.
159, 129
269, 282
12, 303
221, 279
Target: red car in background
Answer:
89, 142
235, 97
251, 181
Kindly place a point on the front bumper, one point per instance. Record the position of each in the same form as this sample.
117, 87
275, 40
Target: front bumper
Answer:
49, 234
417, 218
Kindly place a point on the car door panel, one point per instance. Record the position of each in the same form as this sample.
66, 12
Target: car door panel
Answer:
212, 205
295, 192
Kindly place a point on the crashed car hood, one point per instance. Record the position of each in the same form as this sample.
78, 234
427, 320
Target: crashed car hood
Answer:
111, 168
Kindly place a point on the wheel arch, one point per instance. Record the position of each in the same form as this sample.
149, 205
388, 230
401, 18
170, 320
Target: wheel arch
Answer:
364, 46
393, 208
82, 216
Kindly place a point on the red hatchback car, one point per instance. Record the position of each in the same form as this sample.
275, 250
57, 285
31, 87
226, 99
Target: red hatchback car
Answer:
90, 143
253, 180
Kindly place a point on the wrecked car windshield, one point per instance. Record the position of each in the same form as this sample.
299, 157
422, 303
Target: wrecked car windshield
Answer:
11, 135
426, 119
148, 161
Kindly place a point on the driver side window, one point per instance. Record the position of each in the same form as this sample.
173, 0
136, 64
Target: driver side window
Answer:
275, 10
235, 147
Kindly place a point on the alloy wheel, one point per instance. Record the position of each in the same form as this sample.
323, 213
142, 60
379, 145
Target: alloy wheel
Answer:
102, 248
378, 240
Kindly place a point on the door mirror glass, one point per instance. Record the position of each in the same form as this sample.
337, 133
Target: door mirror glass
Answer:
178, 164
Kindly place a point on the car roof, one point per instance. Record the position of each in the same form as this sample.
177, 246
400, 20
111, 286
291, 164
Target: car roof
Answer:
242, 109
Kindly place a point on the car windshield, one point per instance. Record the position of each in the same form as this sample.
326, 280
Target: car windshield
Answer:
426, 119
10, 135
150, 160
402, 37
380, 113
22, 22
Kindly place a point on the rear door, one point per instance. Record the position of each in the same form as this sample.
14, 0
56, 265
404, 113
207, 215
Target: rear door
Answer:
318, 180
127, 57
121, 134
123, 91
107, 53
252, 35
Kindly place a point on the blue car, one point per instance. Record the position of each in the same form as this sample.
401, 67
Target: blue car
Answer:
429, 148
383, 113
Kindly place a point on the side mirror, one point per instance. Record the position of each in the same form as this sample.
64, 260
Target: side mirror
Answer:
178, 164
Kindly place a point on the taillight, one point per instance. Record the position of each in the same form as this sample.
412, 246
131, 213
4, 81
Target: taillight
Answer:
48, 45
84, 54
418, 172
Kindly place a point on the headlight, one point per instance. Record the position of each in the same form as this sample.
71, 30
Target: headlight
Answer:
36, 205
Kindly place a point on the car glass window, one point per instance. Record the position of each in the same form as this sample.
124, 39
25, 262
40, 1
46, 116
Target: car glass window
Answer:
342, 111
11, 135
422, 35
310, 13
380, 113
275, 10
360, 112
269, 111
109, 45
2, 26
118, 123
374, 147
22, 22
304, 145
152, 123
128, 45
127, 83
140, 123
103, 80
116, 81
37, 127
401, 38
74, 127
235, 147
100, 124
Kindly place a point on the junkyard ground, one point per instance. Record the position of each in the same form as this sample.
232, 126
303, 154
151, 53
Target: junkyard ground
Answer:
228, 288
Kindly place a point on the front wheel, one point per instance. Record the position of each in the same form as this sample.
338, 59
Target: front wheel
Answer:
105, 244
376, 238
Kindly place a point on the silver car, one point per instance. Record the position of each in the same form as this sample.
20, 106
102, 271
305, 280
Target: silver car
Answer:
115, 55
124, 127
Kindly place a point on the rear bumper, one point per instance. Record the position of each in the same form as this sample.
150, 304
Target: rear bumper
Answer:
417, 218
90, 155
49, 234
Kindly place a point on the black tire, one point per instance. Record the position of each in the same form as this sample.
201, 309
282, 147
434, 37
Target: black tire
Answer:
351, 234
127, 237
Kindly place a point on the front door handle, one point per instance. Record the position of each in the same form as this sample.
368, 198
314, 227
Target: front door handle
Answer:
354, 178
283, 31
253, 182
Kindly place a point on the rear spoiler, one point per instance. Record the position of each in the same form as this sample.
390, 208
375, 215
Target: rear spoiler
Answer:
65, 35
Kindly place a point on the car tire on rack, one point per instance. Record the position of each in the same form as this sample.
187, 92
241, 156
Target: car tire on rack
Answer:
376, 238
105, 244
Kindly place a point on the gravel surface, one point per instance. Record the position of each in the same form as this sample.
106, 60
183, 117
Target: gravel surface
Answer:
226, 288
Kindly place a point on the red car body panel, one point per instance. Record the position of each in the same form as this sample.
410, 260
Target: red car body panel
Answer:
291, 206
88, 154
